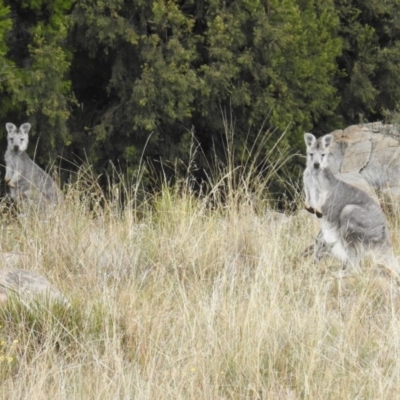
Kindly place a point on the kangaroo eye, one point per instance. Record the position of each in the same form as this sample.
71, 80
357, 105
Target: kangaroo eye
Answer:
323, 155
311, 154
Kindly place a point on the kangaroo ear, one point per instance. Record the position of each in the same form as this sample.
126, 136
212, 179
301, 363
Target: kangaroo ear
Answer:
310, 139
25, 127
327, 140
10, 128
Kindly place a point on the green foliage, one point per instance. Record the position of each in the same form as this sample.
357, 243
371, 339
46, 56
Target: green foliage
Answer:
42, 86
5, 64
5, 26
166, 86
127, 81
280, 61
36, 84
176, 66
370, 61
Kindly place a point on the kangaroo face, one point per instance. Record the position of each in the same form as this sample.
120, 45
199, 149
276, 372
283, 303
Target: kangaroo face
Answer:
17, 138
317, 151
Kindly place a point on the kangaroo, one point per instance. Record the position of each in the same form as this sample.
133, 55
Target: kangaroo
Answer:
25, 178
311, 188
352, 222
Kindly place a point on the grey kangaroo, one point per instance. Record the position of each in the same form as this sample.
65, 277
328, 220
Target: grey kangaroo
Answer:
352, 222
27, 181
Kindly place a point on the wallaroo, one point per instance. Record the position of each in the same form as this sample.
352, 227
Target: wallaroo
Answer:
352, 223
27, 181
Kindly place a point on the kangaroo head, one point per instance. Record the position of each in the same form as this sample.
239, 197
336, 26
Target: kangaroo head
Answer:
17, 138
318, 150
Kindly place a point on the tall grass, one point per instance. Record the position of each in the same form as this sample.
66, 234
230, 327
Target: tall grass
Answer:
188, 296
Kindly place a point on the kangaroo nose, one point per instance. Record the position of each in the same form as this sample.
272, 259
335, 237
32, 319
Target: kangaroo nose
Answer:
316, 165
16, 147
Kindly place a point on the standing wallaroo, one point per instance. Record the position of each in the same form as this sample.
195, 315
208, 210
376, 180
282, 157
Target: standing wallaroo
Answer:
27, 181
310, 175
352, 222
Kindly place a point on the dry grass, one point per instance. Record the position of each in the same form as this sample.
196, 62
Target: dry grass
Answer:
184, 296
187, 298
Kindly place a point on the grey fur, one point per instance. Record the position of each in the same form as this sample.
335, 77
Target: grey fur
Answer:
352, 222
310, 176
27, 181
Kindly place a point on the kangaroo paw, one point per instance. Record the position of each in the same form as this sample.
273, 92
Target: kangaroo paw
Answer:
310, 209
318, 213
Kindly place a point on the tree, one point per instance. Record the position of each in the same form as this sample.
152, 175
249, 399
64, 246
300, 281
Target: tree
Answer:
36, 84
147, 83
163, 66
277, 60
370, 63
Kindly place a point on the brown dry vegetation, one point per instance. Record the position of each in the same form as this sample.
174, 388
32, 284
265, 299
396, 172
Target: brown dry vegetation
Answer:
188, 297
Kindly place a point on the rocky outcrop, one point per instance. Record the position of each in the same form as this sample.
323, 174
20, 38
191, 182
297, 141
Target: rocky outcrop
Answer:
371, 150
28, 286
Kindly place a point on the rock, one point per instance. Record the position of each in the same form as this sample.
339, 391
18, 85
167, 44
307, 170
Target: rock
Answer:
371, 151
356, 157
27, 286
